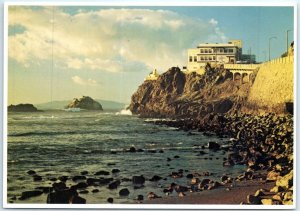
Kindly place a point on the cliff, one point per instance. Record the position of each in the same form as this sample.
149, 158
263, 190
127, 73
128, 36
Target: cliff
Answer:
176, 94
22, 108
85, 103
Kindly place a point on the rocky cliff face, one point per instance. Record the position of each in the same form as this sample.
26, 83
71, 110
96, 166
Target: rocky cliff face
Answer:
85, 103
176, 94
22, 108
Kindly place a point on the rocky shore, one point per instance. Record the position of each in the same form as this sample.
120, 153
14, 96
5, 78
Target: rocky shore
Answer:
263, 143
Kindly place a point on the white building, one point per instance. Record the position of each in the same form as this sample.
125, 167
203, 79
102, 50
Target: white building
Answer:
213, 53
152, 76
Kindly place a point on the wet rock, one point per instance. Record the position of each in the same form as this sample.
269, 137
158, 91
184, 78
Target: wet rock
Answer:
110, 200
63, 197
189, 176
176, 175
63, 178
53, 179
179, 188
31, 172
114, 185
195, 181
95, 190
78, 200
28, 194
224, 178
84, 192
37, 178
132, 149
138, 179
102, 172
161, 151
124, 192
213, 145
59, 186
155, 178
114, 171
80, 185
80, 177
84, 173
140, 198
152, 195
253, 199
168, 159
176, 156
204, 182
152, 151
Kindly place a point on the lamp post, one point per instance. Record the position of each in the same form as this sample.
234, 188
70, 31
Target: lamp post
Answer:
287, 40
270, 46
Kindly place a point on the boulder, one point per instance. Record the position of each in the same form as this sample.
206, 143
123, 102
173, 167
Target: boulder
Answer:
138, 179
213, 145
285, 181
110, 200
124, 192
29, 194
155, 178
267, 201
102, 172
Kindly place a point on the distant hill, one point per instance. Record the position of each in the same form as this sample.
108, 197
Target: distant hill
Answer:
106, 104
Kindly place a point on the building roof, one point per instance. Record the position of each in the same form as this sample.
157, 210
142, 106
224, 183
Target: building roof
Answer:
216, 45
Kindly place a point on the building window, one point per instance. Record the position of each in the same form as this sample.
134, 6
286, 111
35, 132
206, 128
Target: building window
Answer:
214, 58
195, 58
225, 50
206, 58
191, 58
210, 50
221, 50
202, 51
231, 50
202, 58
209, 58
206, 51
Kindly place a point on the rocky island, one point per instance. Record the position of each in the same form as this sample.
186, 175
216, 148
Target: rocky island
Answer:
86, 103
22, 108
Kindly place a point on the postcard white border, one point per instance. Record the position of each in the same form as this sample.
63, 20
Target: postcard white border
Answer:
144, 3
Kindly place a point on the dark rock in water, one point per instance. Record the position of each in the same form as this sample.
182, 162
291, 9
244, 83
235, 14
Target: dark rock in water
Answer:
124, 192
37, 178
29, 194
152, 195
224, 178
213, 145
62, 197
168, 159
110, 200
189, 176
132, 149
31, 172
78, 200
115, 171
111, 164
102, 172
84, 172
85, 103
204, 182
76, 178
176, 156
95, 190
138, 179
140, 198
161, 151
84, 192
22, 108
253, 199
53, 179
114, 185
13, 198
63, 178
59, 186
80, 185
45, 189
180, 188
152, 151
155, 178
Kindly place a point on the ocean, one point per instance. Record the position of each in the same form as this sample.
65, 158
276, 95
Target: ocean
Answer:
56, 143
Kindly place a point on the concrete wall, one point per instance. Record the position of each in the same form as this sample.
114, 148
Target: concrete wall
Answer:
273, 85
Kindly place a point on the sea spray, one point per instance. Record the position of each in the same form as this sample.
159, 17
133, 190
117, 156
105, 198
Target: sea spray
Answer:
124, 112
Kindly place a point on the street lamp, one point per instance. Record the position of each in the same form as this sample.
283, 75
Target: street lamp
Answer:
270, 46
287, 40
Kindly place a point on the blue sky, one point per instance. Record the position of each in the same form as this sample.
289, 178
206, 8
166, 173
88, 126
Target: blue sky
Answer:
106, 52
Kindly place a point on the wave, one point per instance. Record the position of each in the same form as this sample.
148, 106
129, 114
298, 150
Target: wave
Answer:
124, 112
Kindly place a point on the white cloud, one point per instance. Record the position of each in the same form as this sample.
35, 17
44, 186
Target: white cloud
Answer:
113, 40
89, 82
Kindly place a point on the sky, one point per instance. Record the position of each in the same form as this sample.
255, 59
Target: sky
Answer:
63, 52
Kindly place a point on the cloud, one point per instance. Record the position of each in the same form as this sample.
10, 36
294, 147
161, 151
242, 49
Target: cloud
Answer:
89, 82
112, 40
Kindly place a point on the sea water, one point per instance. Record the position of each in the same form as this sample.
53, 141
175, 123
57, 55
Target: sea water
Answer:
56, 143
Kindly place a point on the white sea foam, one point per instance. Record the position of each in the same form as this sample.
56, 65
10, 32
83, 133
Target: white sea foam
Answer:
124, 112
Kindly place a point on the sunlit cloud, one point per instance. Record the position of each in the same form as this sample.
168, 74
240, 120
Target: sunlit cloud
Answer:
89, 82
112, 40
